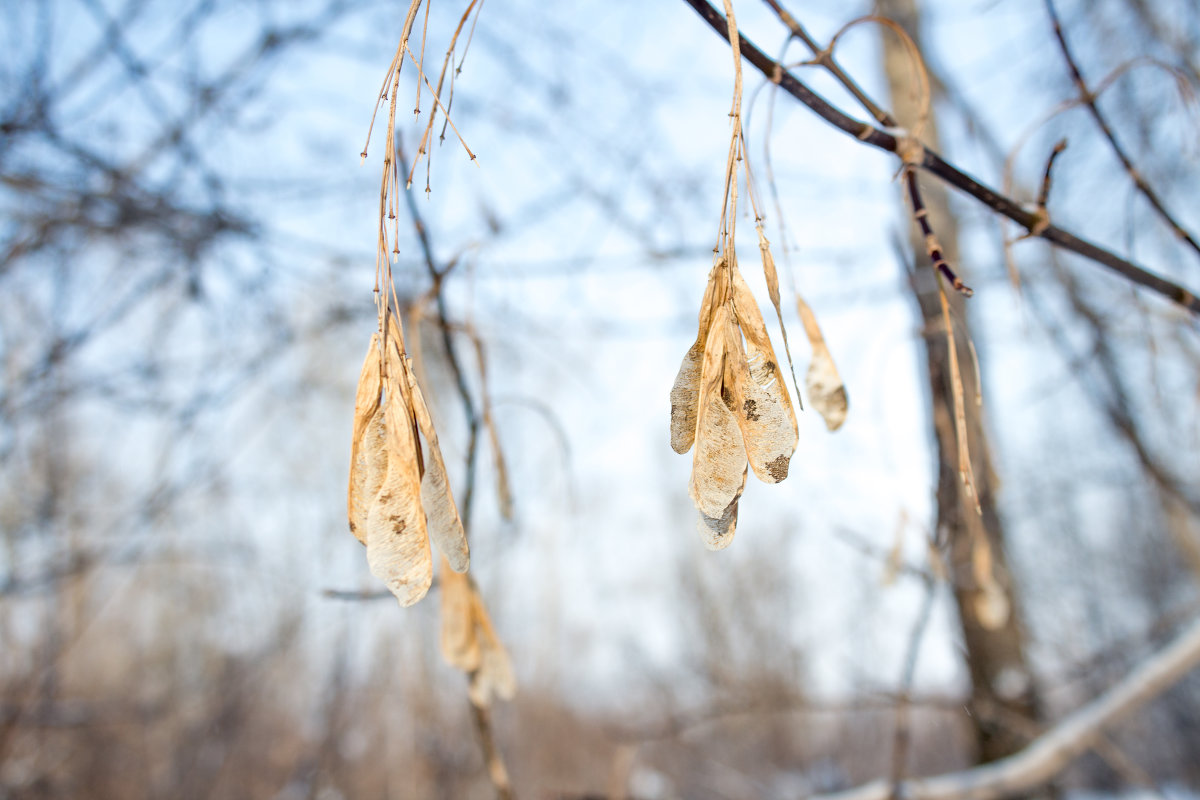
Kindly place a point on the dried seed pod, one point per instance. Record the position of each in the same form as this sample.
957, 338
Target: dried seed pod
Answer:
764, 412
686, 390
397, 545
366, 396
459, 639
494, 677
719, 461
397, 541
366, 404
825, 389
718, 531
441, 514
367, 472
772, 277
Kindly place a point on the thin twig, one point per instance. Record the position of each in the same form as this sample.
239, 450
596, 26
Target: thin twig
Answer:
825, 59
932, 246
901, 737
681, 723
1088, 98
358, 596
491, 756
1044, 193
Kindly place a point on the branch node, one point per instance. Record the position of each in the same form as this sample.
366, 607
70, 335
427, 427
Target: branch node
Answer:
910, 150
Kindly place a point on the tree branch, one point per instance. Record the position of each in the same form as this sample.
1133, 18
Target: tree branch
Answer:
1048, 754
1088, 98
935, 164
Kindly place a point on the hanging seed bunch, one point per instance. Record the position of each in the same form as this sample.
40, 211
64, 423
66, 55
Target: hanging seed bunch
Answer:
399, 496
730, 399
730, 402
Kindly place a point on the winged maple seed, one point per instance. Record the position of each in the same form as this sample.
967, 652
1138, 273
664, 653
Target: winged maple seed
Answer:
399, 495
825, 388
469, 642
730, 401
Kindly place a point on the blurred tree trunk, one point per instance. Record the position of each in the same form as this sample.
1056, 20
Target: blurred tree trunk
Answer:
1004, 702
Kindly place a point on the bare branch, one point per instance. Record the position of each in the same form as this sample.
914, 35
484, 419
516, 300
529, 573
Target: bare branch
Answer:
1088, 98
1049, 753
932, 162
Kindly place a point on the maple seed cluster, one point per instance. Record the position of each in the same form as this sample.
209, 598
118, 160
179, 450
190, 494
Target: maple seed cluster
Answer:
730, 401
399, 496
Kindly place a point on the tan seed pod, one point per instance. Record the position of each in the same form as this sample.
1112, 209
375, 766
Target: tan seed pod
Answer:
719, 460
366, 396
769, 272
395, 362
441, 514
401, 420
684, 396
772, 277
397, 545
825, 389
367, 472
397, 541
760, 416
366, 404
459, 638
764, 413
494, 678
686, 390
717, 532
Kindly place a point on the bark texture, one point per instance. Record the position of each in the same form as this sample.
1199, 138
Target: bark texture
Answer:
1004, 703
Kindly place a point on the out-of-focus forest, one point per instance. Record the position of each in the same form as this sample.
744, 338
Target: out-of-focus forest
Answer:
186, 287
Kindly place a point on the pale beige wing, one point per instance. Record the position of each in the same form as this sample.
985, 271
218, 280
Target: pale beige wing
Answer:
685, 392
494, 678
441, 514
772, 277
366, 405
397, 542
397, 545
367, 472
825, 389
717, 532
764, 413
366, 396
720, 456
459, 636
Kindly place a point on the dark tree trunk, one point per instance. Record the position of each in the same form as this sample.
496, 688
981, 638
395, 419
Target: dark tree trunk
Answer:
1004, 702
